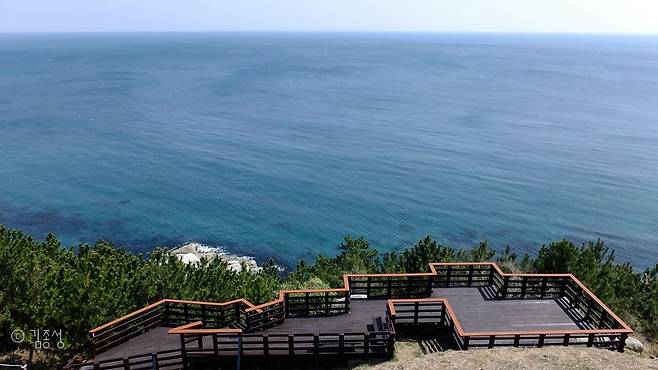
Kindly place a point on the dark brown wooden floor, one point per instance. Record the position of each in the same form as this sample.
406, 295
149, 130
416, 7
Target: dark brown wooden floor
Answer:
475, 311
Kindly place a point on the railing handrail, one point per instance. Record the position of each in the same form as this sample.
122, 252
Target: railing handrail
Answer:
123, 318
346, 288
571, 277
461, 332
189, 329
406, 274
600, 303
164, 301
205, 303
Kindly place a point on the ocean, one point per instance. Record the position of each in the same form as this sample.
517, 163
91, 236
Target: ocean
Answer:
278, 144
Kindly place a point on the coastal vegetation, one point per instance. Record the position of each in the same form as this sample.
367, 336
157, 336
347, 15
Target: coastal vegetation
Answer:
45, 286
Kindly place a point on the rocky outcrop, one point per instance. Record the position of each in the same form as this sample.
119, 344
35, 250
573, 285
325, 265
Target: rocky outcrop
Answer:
633, 344
192, 253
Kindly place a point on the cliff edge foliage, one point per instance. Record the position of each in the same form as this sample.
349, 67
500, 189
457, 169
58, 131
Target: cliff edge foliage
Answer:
45, 286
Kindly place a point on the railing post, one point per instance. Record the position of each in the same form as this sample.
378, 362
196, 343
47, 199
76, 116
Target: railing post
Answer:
443, 315
366, 344
544, 282
416, 307
368, 284
622, 342
316, 348
154, 360
388, 287
126, 363
92, 345
240, 349
341, 344
467, 340
517, 340
470, 275
504, 287
326, 303
491, 274
492, 340
186, 313
285, 306
448, 276
291, 345
307, 304
391, 345
266, 346
542, 337
183, 351
565, 341
590, 340
165, 313
247, 319
215, 348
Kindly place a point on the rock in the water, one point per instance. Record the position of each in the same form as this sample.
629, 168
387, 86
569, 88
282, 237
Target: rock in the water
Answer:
634, 345
191, 253
188, 258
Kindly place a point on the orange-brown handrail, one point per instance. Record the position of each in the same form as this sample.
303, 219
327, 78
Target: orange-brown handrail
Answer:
189, 329
132, 314
461, 332
433, 272
563, 275
163, 301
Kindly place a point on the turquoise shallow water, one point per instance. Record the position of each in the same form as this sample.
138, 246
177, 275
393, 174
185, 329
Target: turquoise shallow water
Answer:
279, 144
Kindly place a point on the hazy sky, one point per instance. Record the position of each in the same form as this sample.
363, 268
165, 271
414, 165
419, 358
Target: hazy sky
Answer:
590, 16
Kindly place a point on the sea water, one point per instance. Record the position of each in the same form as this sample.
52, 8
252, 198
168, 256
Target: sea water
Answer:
277, 145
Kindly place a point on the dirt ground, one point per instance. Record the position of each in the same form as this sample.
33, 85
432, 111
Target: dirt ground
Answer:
412, 356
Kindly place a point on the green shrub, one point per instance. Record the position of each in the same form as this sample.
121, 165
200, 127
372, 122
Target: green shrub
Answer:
46, 286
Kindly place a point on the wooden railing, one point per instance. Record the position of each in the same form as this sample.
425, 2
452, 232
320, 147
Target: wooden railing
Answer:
416, 311
240, 316
127, 327
523, 286
169, 312
611, 332
391, 285
464, 274
213, 315
599, 338
260, 318
316, 303
594, 312
504, 285
164, 360
219, 344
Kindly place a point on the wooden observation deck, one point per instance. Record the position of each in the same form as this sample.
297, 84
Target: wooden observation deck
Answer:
475, 304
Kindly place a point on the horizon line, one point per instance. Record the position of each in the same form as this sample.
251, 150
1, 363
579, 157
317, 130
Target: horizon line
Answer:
578, 33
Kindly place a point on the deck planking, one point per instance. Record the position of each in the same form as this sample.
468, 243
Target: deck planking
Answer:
474, 308
477, 312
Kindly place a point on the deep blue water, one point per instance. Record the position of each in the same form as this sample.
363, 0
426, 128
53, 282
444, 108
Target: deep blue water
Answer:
279, 144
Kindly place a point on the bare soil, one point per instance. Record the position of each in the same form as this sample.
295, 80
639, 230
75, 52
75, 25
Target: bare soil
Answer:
412, 356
